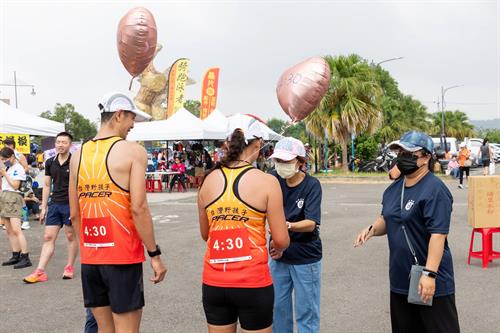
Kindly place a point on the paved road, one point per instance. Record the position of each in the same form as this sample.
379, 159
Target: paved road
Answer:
355, 296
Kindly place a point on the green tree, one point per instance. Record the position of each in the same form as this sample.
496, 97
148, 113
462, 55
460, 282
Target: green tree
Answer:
284, 128
456, 125
492, 134
193, 106
351, 104
74, 123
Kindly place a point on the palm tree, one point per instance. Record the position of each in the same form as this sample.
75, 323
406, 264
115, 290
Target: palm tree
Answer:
351, 104
456, 124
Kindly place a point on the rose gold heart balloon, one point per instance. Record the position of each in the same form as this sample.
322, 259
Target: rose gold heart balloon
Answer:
136, 40
301, 88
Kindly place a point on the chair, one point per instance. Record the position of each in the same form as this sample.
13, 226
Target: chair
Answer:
487, 254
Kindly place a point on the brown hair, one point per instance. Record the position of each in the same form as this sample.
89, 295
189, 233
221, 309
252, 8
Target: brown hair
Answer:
6, 152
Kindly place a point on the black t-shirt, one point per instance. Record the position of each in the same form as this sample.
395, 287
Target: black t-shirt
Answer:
302, 202
60, 179
427, 208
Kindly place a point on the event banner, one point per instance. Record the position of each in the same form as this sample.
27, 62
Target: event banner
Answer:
177, 79
22, 141
209, 90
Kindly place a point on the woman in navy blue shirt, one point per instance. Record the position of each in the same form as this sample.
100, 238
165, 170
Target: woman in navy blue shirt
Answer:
424, 208
298, 268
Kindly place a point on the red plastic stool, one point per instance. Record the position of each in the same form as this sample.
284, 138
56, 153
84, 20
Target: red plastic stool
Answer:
159, 183
487, 254
149, 185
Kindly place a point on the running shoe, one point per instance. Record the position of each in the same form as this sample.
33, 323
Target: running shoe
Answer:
25, 225
68, 272
38, 275
460, 186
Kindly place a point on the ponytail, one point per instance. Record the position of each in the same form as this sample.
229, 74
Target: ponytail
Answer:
233, 148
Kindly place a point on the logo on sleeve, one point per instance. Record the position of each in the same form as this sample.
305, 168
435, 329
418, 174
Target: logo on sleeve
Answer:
409, 204
300, 203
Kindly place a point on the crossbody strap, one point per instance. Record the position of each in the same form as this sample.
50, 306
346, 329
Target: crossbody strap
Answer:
404, 227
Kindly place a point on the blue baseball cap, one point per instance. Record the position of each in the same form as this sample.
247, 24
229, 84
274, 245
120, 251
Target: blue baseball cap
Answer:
413, 141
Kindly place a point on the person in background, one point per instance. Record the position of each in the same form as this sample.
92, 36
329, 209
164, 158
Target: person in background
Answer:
179, 167
297, 270
32, 203
11, 207
453, 167
11, 143
464, 162
39, 159
486, 153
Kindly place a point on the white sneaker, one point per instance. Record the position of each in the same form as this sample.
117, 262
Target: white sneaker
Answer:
25, 225
460, 186
3, 227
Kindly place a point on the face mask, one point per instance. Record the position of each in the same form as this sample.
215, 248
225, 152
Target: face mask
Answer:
7, 164
286, 170
407, 164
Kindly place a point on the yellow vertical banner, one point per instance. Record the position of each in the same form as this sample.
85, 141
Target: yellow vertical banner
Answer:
209, 90
22, 141
177, 79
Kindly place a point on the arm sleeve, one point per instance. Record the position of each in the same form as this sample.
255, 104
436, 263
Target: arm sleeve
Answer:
312, 209
48, 164
437, 212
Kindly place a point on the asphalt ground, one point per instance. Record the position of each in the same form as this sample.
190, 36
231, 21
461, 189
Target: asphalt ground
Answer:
355, 283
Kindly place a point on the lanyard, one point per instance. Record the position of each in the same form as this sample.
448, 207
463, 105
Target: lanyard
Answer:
403, 226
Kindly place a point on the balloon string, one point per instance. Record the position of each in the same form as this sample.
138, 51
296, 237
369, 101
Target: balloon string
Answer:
130, 85
283, 130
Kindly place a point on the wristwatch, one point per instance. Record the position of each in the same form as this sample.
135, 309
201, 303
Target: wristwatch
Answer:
155, 253
288, 225
429, 273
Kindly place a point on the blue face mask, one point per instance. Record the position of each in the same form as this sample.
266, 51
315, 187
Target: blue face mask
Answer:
7, 164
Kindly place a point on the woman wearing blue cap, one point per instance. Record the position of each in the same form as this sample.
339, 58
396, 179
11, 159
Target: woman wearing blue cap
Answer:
298, 268
416, 213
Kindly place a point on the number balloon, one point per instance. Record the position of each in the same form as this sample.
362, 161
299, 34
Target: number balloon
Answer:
136, 40
301, 87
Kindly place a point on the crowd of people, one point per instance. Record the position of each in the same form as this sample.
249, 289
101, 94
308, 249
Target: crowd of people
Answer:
266, 284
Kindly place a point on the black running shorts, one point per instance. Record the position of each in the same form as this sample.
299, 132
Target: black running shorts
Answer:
118, 286
252, 306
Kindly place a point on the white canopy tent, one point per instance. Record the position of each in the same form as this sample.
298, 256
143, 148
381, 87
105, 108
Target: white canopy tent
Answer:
183, 125
217, 124
14, 121
242, 120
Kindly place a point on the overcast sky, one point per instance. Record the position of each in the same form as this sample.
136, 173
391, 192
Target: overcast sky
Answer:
67, 49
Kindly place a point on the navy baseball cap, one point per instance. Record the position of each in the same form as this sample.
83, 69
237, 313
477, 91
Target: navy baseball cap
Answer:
413, 141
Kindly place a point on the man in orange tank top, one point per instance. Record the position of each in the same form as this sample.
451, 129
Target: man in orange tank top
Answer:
110, 214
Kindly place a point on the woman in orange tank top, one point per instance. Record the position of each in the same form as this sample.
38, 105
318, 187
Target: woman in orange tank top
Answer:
234, 202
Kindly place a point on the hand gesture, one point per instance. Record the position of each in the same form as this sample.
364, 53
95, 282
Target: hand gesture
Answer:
159, 269
363, 236
426, 288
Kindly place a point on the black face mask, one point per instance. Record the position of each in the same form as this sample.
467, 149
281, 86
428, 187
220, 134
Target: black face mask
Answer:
407, 164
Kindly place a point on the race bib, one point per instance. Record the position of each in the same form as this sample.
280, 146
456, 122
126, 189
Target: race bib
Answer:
97, 232
229, 246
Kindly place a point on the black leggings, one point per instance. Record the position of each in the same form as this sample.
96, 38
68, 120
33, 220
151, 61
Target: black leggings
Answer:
461, 173
181, 178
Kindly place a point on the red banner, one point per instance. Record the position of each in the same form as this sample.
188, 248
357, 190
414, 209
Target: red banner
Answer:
209, 92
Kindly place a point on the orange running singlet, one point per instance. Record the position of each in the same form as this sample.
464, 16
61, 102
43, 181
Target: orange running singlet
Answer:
107, 231
236, 254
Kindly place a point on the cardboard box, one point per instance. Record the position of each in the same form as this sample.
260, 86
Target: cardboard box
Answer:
484, 201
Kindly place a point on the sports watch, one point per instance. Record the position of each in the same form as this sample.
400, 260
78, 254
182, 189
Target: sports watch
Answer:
155, 253
429, 273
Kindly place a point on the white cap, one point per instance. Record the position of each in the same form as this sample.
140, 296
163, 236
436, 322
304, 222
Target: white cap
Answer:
462, 145
252, 130
117, 101
288, 148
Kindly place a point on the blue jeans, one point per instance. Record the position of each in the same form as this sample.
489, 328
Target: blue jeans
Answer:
305, 281
454, 172
90, 323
